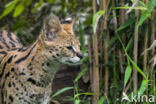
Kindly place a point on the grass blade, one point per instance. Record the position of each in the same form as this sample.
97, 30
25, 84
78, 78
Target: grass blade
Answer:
101, 101
127, 74
61, 91
129, 45
83, 71
136, 67
143, 87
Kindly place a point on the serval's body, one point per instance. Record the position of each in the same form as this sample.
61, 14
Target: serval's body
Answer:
26, 73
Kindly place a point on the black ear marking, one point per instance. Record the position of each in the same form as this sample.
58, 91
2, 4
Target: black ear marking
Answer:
69, 20
66, 22
51, 27
49, 35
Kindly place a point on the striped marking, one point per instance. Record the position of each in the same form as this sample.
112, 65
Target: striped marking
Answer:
10, 59
8, 73
1, 74
2, 57
4, 42
13, 45
3, 52
23, 49
8, 40
25, 57
1, 47
10, 37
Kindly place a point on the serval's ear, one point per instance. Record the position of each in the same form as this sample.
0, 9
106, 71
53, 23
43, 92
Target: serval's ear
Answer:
51, 27
68, 23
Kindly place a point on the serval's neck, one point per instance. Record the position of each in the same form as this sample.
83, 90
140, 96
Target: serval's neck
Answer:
39, 65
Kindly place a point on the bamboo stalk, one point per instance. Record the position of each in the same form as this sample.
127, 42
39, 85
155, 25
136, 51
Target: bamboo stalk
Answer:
106, 73
105, 17
135, 51
121, 22
153, 36
145, 47
101, 41
106, 39
94, 6
90, 62
95, 64
122, 19
101, 48
95, 70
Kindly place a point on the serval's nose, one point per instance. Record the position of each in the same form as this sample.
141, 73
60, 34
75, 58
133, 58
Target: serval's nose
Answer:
79, 55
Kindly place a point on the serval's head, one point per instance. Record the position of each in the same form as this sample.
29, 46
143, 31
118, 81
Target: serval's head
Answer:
59, 40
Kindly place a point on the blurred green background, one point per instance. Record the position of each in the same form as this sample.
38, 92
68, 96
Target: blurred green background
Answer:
25, 17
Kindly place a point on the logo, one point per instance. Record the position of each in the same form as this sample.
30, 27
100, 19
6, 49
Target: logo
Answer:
125, 97
137, 98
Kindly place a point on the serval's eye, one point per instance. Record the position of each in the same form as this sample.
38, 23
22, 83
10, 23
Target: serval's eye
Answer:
70, 48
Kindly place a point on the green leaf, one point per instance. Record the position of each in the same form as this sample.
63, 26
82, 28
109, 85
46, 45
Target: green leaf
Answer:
82, 39
28, 2
143, 17
77, 102
129, 45
96, 18
136, 67
142, 3
101, 101
61, 91
132, 1
19, 9
50, 1
150, 5
83, 71
79, 94
127, 74
143, 87
128, 7
9, 7
87, 93
126, 24
84, 59
112, 40
132, 62
37, 6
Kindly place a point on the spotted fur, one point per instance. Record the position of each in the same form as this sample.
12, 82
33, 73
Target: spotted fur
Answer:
26, 72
